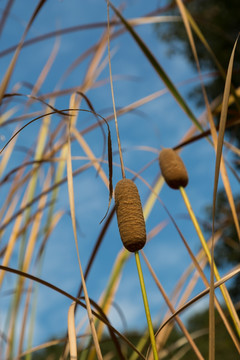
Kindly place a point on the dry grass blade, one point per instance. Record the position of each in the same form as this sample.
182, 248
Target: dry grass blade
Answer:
6, 156
79, 302
25, 205
150, 18
46, 69
88, 151
112, 334
12, 242
73, 216
229, 276
95, 162
5, 14
210, 51
203, 40
159, 69
222, 126
10, 69
36, 227
72, 332
213, 267
112, 92
168, 302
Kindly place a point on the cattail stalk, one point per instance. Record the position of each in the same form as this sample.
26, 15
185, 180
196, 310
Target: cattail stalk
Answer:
132, 230
146, 306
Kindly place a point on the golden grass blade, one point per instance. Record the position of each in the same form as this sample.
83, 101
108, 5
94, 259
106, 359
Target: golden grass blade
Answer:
24, 321
6, 156
93, 70
7, 115
73, 217
11, 243
72, 332
36, 227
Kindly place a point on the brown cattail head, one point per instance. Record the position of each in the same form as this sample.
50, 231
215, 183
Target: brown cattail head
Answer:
173, 169
130, 218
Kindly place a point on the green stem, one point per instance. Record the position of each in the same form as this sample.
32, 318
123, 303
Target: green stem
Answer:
146, 306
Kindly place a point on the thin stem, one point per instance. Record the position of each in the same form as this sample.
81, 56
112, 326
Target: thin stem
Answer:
146, 306
114, 107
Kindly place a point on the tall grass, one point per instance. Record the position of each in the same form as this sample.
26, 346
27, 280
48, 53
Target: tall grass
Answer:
63, 272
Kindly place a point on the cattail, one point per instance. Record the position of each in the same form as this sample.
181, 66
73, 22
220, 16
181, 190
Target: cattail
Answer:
130, 218
173, 169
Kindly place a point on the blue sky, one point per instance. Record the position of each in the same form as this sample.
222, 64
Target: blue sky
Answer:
158, 123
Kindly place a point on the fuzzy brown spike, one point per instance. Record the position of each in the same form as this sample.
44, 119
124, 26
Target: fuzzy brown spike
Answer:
130, 218
173, 169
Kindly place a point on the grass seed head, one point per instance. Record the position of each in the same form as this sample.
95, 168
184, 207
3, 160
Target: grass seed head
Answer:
173, 169
130, 218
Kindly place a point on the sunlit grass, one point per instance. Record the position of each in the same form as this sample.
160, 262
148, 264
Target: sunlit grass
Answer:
40, 157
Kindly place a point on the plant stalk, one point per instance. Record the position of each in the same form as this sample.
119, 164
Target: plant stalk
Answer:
146, 306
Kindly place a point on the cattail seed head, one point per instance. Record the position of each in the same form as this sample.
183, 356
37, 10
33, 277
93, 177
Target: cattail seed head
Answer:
173, 169
130, 218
